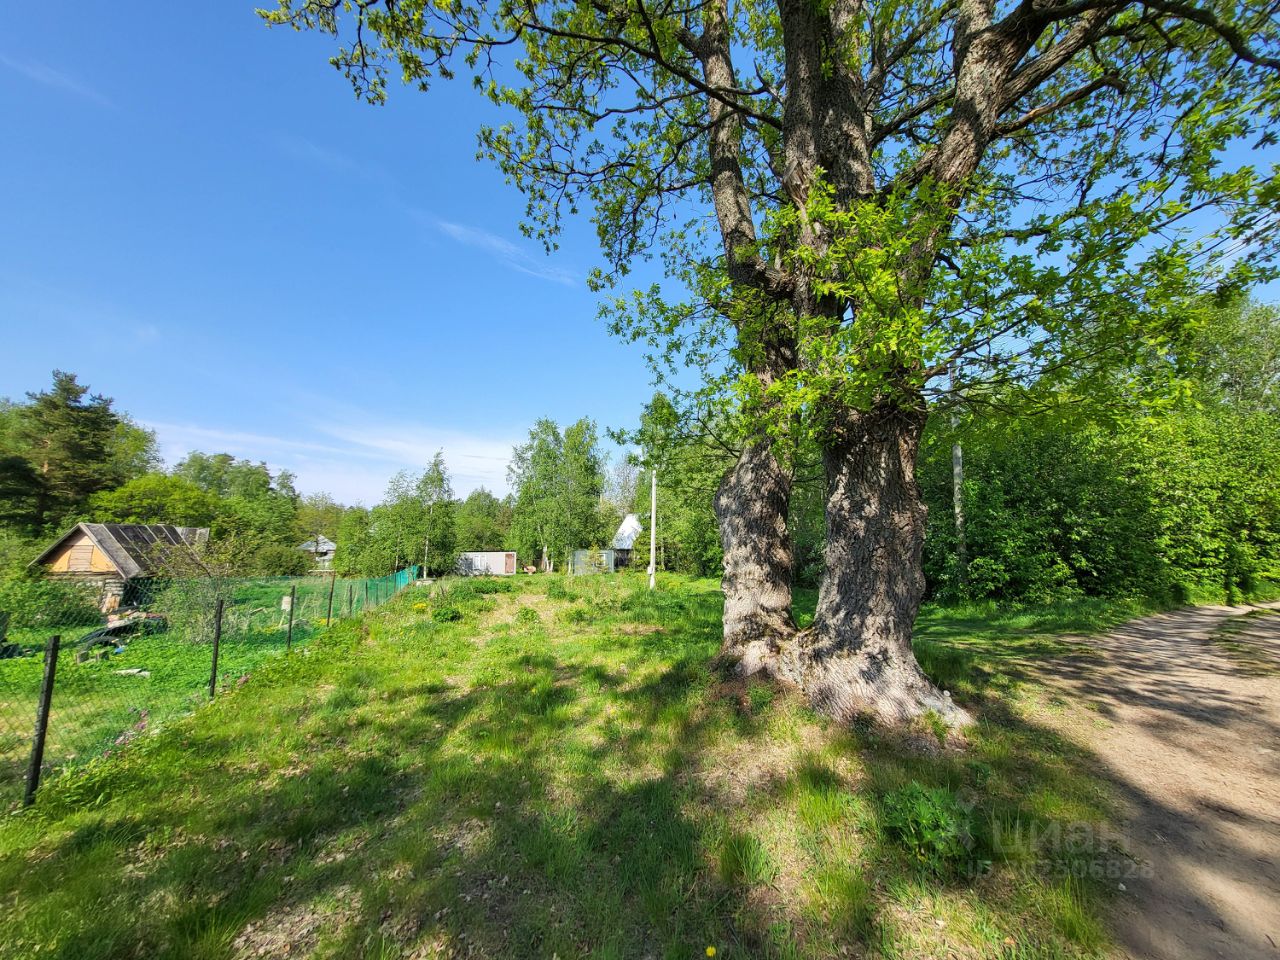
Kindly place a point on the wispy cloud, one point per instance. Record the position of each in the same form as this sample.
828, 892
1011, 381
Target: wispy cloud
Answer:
350, 458
510, 255
330, 160
47, 76
474, 460
185, 437
308, 151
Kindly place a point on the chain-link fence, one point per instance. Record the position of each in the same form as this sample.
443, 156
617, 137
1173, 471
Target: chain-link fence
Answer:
108, 679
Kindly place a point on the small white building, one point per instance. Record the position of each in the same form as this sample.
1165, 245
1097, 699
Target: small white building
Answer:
628, 530
487, 563
625, 539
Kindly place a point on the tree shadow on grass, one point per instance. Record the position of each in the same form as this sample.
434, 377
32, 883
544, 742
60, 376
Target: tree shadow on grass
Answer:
577, 801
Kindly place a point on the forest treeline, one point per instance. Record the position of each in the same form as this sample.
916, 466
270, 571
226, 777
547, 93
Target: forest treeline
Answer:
68, 455
1088, 497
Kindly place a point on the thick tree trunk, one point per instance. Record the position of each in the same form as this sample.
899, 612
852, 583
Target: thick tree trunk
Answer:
856, 658
751, 506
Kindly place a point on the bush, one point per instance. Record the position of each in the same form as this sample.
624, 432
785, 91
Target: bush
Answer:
574, 614
490, 585
931, 825
1173, 507
277, 560
527, 616
37, 603
189, 606
446, 614
556, 590
15, 553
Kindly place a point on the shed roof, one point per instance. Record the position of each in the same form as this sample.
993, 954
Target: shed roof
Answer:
320, 544
134, 549
628, 530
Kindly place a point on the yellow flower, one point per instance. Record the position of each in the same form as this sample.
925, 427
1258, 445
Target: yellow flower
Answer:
711, 951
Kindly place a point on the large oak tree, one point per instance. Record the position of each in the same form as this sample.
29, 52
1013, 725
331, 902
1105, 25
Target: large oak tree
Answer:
862, 196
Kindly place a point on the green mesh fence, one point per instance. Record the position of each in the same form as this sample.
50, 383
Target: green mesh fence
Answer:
120, 677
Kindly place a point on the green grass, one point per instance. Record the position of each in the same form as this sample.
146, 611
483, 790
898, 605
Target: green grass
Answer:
561, 785
96, 708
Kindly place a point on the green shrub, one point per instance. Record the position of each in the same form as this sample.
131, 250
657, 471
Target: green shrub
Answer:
527, 616
189, 606
446, 614
278, 560
574, 614
931, 825
556, 590
462, 590
37, 603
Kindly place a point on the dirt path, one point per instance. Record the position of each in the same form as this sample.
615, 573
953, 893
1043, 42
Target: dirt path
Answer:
1189, 703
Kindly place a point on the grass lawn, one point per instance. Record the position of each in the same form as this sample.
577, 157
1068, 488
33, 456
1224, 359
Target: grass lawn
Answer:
556, 770
101, 703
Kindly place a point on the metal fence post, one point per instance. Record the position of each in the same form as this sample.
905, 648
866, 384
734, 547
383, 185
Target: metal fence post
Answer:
350, 590
293, 602
366, 595
328, 617
217, 639
42, 719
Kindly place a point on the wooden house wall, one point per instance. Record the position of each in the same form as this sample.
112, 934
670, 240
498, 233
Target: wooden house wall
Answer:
80, 555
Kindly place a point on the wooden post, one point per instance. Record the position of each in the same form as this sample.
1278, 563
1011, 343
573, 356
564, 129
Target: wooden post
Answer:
366, 595
350, 588
328, 617
293, 602
42, 719
217, 640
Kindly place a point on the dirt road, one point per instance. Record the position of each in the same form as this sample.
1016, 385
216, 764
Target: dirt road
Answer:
1191, 737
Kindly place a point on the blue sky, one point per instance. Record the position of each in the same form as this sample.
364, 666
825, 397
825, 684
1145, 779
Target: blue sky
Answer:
204, 224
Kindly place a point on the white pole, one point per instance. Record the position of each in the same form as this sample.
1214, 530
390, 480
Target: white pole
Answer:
653, 528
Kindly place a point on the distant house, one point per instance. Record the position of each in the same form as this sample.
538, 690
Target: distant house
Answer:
625, 539
112, 557
321, 550
491, 563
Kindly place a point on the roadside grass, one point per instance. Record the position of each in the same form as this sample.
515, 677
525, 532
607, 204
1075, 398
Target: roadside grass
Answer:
556, 784
110, 699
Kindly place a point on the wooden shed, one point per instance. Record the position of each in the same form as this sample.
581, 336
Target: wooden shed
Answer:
111, 556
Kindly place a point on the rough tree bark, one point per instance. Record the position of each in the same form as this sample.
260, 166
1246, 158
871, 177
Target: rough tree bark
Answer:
751, 507
856, 658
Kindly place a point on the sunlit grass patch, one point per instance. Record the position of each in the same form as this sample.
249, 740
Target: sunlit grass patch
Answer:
521, 783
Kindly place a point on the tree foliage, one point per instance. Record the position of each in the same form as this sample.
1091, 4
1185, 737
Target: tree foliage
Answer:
557, 481
157, 498
1176, 506
59, 449
482, 522
872, 194
256, 504
414, 524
